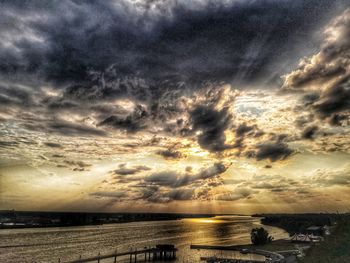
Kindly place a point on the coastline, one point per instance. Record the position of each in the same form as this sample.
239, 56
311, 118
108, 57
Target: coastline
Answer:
11, 219
35, 219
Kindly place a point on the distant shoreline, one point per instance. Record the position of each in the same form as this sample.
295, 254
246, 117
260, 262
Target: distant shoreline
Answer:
97, 224
32, 219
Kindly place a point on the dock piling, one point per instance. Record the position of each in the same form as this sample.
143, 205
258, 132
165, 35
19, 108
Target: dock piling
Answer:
115, 256
159, 252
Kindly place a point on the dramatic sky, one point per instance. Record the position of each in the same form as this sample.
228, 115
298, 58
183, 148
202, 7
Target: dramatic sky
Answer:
232, 106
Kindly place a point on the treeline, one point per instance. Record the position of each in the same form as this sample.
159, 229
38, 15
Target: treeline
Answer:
335, 248
298, 223
23, 219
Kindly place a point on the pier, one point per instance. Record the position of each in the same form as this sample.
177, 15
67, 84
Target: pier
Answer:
228, 260
160, 252
269, 255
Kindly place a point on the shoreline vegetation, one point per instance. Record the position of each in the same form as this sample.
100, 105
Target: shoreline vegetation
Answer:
335, 246
11, 219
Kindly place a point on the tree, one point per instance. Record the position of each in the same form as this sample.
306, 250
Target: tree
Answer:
260, 236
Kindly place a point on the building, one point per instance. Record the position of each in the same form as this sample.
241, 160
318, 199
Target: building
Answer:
301, 238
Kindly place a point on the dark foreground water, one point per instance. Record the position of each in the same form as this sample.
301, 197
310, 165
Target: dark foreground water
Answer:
50, 244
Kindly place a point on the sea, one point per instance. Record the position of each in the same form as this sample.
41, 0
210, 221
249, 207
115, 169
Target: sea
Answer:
69, 243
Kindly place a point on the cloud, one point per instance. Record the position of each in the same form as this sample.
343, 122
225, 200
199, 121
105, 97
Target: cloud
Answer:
60, 104
309, 132
170, 154
181, 194
123, 170
237, 194
272, 151
85, 60
113, 74
72, 129
108, 194
79, 166
211, 124
329, 178
326, 75
203, 41
157, 194
8, 144
16, 95
53, 144
174, 179
263, 185
134, 122
244, 129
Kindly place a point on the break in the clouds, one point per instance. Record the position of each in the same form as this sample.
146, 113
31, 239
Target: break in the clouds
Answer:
155, 103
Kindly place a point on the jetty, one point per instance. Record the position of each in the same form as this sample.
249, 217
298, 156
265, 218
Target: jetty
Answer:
228, 260
269, 255
159, 252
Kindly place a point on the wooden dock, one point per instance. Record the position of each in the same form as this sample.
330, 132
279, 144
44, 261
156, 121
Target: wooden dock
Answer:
160, 252
228, 260
209, 247
272, 256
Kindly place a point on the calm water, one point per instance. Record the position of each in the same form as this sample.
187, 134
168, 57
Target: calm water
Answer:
50, 244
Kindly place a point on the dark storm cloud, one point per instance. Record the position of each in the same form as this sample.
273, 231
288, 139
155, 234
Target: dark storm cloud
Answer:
167, 178
133, 122
180, 194
57, 104
263, 185
309, 132
65, 40
15, 95
243, 129
5, 100
334, 100
148, 191
170, 154
8, 144
72, 129
328, 70
337, 119
53, 144
86, 56
302, 121
58, 156
211, 124
174, 179
124, 170
273, 151
157, 194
